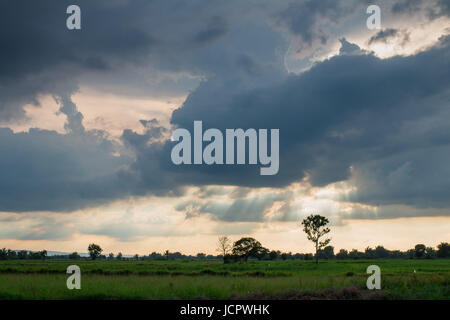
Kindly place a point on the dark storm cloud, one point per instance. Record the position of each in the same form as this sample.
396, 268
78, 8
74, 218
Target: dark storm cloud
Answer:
314, 20
39, 55
117, 40
345, 112
302, 17
380, 123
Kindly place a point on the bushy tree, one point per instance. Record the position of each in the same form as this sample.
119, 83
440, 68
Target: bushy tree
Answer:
355, 254
263, 253
381, 252
22, 254
419, 250
410, 254
43, 254
3, 254
327, 252
201, 256
443, 250
369, 253
315, 228
247, 247
273, 255
12, 254
74, 256
94, 250
342, 254
430, 253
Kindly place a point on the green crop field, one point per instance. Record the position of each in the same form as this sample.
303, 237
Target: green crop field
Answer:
211, 279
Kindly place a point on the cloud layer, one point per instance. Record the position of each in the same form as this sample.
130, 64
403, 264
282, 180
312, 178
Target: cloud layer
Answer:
377, 124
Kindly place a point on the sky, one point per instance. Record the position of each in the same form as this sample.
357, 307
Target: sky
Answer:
86, 118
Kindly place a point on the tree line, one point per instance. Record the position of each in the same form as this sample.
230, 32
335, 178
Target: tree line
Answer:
245, 249
314, 226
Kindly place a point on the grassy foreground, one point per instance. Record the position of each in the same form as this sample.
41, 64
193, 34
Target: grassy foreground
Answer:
181, 279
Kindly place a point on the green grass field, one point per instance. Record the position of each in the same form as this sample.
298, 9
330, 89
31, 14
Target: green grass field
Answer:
183, 279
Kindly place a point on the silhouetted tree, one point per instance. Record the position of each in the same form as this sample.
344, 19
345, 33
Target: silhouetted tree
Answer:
308, 256
410, 254
201, 256
273, 255
314, 227
355, 254
156, 256
22, 254
430, 253
327, 252
397, 254
94, 251
443, 250
74, 256
342, 254
381, 252
3, 254
119, 256
12, 254
224, 246
419, 250
262, 253
43, 254
369, 253
247, 247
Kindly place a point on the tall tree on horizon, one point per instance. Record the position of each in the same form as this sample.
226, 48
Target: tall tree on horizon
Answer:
314, 227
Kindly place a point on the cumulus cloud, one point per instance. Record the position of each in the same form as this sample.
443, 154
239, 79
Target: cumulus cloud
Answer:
338, 114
